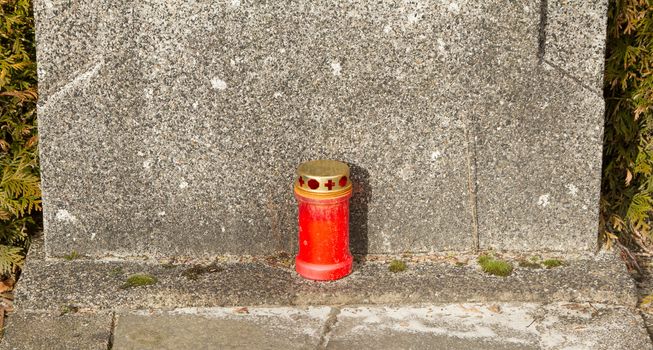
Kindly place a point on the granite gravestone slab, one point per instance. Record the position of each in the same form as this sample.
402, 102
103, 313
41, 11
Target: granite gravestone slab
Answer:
173, 129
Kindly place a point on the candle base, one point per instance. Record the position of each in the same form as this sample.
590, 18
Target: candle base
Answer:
324, 272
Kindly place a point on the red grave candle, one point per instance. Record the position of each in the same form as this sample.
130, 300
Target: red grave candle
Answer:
323, 189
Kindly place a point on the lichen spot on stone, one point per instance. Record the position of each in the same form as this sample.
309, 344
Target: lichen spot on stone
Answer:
64, 215
413, 18
453, 8
218, 84
572, 189
336, 68
442, 46
543, 201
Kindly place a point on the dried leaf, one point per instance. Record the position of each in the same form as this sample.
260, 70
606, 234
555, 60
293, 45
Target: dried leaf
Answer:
4, 145
29, 94
7, 285
242, 310
31, 141
495, 308
575, 307
470, 309
7, 305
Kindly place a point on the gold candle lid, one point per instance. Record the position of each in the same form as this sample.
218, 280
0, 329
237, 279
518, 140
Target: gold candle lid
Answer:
323, 176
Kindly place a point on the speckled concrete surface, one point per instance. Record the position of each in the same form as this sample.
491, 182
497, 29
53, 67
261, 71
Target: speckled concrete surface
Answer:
56, 331
222, 328
174, 129
574, 39
538, 164
496, 326
48, 285
489, 326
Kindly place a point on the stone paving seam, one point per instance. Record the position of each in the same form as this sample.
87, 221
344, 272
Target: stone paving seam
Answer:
541, 38
112, 330
329, 324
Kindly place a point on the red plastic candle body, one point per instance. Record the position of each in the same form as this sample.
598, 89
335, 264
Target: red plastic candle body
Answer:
323, 223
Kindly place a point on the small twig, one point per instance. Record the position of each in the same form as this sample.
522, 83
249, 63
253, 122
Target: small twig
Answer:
632, 260
592, 306
2, 318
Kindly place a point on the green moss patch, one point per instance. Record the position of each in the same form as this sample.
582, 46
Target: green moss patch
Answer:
72, 256
139, 280
397, 266
551, 263
193, 273
68, 309
494, 266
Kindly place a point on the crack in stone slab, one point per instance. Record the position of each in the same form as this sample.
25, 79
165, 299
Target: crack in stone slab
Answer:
328, 327
541, 49
580, 83
112, 331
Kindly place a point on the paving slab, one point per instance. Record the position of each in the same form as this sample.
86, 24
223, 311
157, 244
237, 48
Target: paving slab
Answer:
50, 331
426, 326
489, 326
222, 328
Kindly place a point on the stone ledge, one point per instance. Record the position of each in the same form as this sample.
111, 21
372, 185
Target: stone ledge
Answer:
96, 285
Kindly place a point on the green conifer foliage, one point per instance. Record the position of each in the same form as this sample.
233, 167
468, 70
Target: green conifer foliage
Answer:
627, 189
20, 193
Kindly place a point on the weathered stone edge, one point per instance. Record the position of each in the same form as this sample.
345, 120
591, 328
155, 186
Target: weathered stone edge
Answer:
97, 285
